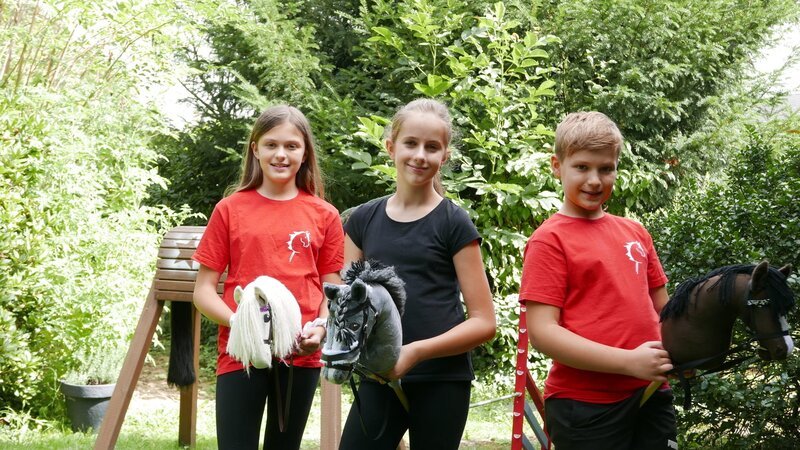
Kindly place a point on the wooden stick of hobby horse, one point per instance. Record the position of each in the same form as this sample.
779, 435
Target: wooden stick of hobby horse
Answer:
649, 392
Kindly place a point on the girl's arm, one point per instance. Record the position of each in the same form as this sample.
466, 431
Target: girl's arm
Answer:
479, 327
311, 339
351, 251
206, 299
649, 361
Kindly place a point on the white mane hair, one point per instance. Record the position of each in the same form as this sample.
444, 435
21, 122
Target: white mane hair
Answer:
248, 336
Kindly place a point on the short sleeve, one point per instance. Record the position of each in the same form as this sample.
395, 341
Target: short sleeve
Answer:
331, 254
544, 274
655, 272
462, 230
214, 249
356, 224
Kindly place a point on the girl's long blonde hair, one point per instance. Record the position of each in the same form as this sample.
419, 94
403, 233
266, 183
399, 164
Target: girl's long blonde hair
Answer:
308, 178
424, 105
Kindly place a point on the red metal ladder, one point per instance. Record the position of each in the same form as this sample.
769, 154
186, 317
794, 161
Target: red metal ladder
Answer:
524, 383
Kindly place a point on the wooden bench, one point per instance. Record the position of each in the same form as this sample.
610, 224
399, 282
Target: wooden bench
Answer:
174, 282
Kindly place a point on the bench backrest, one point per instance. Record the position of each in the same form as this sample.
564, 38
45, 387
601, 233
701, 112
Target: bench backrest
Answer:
175, 269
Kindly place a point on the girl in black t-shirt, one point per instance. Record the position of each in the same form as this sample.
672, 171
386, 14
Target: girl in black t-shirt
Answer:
434, 247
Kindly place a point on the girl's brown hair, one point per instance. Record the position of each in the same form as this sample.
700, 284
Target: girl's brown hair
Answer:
308, 178
425, 105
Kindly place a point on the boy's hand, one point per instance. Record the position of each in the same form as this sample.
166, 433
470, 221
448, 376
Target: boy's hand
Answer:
649, 361
690, 373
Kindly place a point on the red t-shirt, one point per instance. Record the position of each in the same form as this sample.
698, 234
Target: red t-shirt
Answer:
599, 272
294, 241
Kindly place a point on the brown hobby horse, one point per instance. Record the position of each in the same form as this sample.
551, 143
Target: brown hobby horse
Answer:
697, 322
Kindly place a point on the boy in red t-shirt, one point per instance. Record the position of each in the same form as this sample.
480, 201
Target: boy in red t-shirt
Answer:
593, 286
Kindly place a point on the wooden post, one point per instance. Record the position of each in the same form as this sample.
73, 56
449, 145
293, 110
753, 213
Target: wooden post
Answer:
188, 402
331, 420
331, 424
173, 281
129, 375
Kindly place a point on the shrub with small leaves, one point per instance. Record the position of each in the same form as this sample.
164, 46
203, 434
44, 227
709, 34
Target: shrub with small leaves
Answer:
744, 217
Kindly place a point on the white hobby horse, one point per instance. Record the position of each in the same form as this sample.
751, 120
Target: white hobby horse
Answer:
265, 325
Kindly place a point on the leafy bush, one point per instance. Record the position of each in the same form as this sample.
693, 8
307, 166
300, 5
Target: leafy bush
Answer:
242, 56
97, 366
744, 217
76, 245
664, 72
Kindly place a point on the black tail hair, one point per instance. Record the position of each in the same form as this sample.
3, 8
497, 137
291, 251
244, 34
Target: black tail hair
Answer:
181, 354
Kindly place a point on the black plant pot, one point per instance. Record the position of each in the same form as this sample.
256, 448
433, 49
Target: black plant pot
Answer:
86, 404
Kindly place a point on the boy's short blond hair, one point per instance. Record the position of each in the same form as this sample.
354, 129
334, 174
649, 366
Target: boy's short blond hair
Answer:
587, 130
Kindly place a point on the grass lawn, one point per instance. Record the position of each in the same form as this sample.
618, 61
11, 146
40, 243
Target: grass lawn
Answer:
152, 422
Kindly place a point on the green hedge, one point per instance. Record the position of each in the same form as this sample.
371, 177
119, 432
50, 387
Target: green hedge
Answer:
749, 214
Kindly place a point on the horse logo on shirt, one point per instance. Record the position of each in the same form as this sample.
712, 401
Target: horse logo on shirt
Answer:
635, 252
304, 241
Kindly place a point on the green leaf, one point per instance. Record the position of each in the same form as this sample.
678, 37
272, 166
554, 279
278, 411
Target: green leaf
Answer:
383, 31
435, 86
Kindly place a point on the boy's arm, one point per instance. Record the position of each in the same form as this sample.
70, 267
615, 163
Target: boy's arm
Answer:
660, 297
649, 361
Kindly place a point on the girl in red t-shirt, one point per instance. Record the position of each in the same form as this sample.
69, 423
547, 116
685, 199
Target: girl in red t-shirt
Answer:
276, 224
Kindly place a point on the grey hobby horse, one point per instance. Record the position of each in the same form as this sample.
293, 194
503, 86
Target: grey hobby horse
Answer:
365, 333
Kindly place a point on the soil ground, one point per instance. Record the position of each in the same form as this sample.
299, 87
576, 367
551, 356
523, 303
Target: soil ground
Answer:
153, 387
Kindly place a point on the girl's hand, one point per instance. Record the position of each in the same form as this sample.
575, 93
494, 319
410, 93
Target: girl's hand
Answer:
409, 357
310, 341
649, 361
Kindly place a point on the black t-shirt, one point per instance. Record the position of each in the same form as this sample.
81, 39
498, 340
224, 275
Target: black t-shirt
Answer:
422, 254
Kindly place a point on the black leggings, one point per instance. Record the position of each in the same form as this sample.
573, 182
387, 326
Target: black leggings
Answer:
240, 407
436, 420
